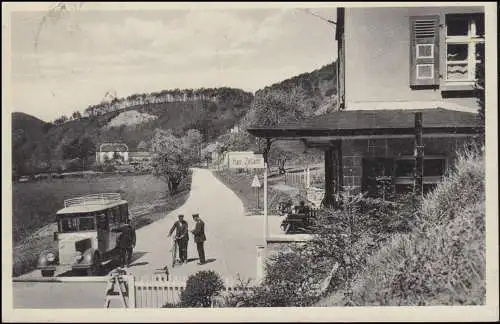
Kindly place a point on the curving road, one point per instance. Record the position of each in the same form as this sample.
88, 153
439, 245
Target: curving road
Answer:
232, 237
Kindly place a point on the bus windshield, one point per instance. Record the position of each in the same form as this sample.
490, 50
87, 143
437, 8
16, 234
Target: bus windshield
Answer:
76, 222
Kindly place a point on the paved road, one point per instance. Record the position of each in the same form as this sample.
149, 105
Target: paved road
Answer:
231, 236
230, 248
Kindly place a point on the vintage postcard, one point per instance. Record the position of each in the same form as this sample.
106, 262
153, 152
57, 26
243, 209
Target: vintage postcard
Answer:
256, 162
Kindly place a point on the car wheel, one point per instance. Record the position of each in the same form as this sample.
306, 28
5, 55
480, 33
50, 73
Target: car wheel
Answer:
95, 268
48, 273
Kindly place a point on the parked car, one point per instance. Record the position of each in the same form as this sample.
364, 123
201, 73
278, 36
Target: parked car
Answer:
88, 230
24, 179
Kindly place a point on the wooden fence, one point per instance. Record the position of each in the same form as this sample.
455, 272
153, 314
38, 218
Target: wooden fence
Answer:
303, 178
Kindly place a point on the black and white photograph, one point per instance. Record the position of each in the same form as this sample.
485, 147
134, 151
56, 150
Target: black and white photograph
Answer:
209, 161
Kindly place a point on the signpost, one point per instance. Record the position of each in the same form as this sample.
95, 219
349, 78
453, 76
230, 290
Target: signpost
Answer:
251, 160
256, 184
245, 160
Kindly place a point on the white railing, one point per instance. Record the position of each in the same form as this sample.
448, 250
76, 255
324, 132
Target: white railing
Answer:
93, 199
157, 291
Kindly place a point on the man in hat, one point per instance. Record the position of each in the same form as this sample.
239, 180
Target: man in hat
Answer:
181, 237
199, 237
126, 243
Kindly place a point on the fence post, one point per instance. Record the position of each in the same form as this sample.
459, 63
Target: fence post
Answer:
308, 178
131, 291
260, 262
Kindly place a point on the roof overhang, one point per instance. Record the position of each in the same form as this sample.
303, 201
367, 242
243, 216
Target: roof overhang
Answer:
373, 124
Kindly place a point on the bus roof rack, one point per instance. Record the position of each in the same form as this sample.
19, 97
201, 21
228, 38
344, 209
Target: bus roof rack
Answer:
93, 199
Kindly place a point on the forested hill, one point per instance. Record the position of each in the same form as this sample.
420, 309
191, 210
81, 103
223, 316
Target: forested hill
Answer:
40, 146
315, 91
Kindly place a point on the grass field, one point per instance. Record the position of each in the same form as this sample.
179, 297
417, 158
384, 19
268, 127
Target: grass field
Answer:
35, 203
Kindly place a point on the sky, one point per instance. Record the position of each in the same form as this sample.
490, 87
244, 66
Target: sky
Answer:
64, 62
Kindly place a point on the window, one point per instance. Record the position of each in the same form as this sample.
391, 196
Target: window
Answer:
460, 42
69, 224
76, 222
123, 213
86, 223
464, 47
434, 170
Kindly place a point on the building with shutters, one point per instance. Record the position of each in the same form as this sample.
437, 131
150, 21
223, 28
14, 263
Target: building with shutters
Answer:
392, 64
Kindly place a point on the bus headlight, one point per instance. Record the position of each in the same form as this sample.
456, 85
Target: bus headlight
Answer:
51, 257
79, 256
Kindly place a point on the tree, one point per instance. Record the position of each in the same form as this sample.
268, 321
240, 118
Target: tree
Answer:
279, 156
273, 108
201, 288
79, 148
241, 141
174, 157
76, 115
192, 142
61, 120
142, 146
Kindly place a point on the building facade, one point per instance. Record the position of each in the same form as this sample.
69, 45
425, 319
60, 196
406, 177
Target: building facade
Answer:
112, 151
403, 74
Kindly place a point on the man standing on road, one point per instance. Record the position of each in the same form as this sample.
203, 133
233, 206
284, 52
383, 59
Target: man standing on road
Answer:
181, 237
199, 237
126, 244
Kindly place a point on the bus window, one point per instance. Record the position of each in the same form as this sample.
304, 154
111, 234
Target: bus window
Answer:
87, 223
114, 216
117, 214
123, 213
69, 224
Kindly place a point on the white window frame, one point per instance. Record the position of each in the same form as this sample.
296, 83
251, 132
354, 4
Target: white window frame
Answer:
425, 77
424, 45
471, 39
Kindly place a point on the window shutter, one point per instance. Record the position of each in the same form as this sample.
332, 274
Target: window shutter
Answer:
424, 51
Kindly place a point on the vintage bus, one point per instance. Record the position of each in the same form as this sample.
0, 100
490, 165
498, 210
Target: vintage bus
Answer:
88, 229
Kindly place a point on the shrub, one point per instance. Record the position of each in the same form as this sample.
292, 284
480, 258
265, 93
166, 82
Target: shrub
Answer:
442, 260
343, 239
201, 288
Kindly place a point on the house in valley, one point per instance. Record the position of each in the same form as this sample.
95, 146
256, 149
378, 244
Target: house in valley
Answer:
406, 85
112, 151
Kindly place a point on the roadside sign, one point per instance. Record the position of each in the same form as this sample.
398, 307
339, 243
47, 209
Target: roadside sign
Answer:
255, 182
245, 160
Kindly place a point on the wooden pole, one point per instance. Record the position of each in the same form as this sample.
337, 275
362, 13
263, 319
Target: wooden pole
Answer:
419, 156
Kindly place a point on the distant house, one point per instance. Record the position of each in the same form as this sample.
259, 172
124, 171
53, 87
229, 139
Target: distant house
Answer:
235, 129
211, 152
108, 151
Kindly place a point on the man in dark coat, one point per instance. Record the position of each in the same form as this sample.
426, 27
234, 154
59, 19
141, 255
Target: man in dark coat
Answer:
199, 237
126, 244
181, 237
